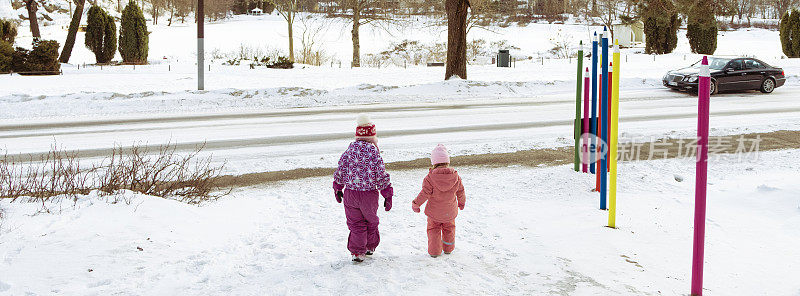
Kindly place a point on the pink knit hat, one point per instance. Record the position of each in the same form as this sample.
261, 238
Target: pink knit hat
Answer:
440, 155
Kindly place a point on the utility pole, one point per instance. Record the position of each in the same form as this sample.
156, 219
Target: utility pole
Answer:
200, 50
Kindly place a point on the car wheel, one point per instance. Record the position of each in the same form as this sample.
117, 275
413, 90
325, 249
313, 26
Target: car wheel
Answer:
767, 86
713, 87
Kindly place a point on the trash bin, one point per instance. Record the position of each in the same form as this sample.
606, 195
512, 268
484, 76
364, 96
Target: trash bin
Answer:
504, 58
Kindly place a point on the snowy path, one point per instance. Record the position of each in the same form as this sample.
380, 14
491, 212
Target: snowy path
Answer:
525, 231
313, 137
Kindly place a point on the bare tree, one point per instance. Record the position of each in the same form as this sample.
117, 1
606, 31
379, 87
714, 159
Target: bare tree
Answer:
360, 13
311, 49
288, 10
457, 13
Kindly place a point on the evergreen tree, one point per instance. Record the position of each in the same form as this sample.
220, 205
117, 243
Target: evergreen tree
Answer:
8, 31
44, 56
661, 24
101, 34
702, 28
6, 54
790, 34
133, 39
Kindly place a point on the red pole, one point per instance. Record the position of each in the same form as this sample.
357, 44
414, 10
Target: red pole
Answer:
701, 179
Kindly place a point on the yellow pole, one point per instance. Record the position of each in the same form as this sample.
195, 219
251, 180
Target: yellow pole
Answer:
613, 134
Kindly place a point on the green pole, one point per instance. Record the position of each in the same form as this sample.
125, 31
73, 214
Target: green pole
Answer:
578, 120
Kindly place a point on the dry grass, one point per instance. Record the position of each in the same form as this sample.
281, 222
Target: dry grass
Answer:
157, 172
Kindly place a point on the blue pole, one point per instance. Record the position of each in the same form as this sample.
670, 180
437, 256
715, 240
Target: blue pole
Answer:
604, 124
593, 122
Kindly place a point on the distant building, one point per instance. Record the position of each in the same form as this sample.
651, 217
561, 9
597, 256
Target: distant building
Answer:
630, 35
256, 11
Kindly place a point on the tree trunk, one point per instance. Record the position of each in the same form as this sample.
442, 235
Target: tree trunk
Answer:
290, 21
66, 52
356, 38
456, 38
32, 6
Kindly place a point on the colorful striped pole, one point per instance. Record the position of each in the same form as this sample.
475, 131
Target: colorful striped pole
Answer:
593, 123
604, 123
612, 191
578, 121
599, 132
701, 178
609, 89
586, 87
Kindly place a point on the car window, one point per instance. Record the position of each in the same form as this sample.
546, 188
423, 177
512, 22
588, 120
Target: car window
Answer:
752, 64
736, 65
716, 63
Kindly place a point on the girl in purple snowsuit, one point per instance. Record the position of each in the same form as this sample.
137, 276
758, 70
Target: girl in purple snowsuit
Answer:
361, 175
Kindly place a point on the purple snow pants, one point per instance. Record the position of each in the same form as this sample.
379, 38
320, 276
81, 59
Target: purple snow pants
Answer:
361, 209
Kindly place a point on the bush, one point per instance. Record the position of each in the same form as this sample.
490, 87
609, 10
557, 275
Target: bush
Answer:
660, 26
158, 172
790, 34
702, 28
43, 58
6, 55
281, 62
19, 60
101, 34
8, 31
133, 39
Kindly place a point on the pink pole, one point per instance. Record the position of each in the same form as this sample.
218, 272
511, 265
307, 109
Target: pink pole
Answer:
587, 86
701, 179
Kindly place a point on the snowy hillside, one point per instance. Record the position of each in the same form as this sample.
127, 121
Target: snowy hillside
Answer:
531, 225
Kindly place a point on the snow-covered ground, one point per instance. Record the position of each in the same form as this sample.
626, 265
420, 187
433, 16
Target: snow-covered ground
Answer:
524, 231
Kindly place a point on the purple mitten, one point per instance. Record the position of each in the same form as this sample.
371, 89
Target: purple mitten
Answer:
388, 192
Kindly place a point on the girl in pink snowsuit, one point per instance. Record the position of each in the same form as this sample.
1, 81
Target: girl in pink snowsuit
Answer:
361, 175
443, 191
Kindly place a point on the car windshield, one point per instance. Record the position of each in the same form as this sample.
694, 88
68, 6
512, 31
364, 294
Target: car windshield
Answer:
714, 63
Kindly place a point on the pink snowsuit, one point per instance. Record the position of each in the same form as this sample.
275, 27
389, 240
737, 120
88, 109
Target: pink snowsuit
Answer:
444, 192
362, 174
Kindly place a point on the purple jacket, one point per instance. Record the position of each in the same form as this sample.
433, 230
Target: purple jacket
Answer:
361, 168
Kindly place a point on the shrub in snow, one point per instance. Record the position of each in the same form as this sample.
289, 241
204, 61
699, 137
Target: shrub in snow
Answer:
8, 31
790, 34
101, 34
660, 26
281, 62
42, 58
163, 172
702, 28
133, 39
6, 54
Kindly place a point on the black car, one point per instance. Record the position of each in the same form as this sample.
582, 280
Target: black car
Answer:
729, 74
